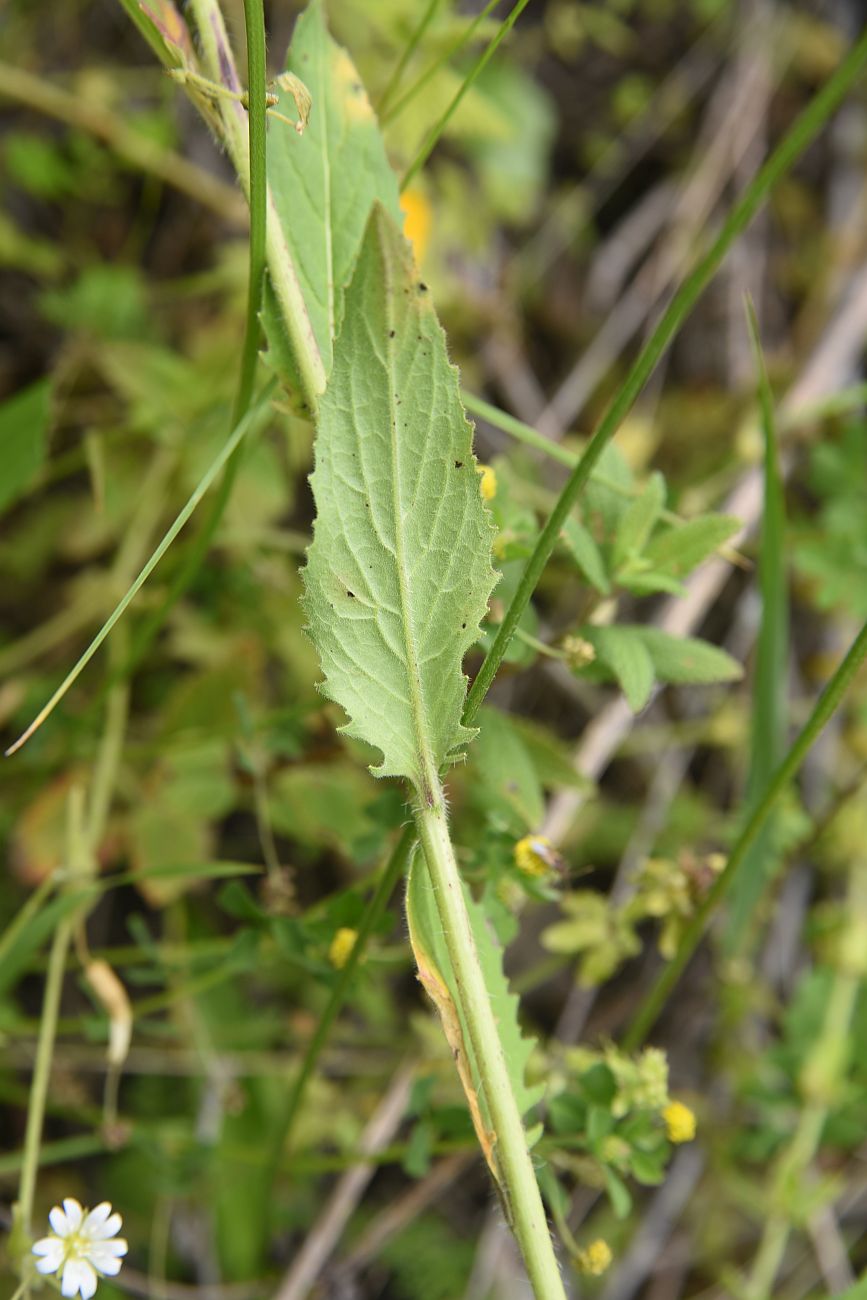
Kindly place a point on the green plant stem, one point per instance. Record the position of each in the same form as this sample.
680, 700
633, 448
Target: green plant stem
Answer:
258, 193
75, 857
219, 64
825, 706
481, 62
524, 1202
794, 143
431, 71
42, 1068
408, 51
391, 874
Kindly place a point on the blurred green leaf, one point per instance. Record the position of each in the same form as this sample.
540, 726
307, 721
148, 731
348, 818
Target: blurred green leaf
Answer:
23, 435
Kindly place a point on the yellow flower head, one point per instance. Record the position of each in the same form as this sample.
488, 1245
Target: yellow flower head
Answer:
535, 855
679, 1122
416, 224
488, 483
341, 946
595, 1258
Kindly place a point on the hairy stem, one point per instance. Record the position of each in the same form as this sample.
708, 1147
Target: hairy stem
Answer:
524, 1201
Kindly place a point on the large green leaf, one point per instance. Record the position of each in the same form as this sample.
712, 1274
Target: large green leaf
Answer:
399, 572
436, 974
325, 181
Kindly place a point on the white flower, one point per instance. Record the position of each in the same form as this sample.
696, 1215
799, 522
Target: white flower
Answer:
84, 1246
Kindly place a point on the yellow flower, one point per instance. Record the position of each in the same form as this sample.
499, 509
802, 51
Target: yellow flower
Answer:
341, 946
535, 855
595, 1259
488, 483
416, 226
679, 1122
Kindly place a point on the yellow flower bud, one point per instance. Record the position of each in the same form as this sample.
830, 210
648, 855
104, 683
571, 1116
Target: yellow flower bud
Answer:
679, 1122
341, 946
535, 855
595, 1258
488, 484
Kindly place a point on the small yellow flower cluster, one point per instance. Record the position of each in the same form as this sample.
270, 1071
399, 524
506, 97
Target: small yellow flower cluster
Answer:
679, 1122
341, 946
535, 855
595, 1258
488, 482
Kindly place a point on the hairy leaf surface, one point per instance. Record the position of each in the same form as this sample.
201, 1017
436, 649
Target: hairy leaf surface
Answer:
325, 181
399, 572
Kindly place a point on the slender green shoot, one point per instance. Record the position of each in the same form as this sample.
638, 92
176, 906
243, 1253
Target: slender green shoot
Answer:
481, 62
768, 726
256, 106
252, 421
826, 706
431, 71
804, 130
408, 51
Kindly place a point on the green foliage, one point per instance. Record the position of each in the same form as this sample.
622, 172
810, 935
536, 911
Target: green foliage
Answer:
232, 833
398, 574
23, 437
325, 180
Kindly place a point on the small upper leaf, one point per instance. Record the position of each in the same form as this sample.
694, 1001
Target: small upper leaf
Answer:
399, 572
325, 181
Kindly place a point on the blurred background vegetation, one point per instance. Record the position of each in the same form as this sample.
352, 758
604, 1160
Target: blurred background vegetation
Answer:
238, 834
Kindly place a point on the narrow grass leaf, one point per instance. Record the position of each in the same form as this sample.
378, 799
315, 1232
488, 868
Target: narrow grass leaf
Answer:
399, 572
803, 131
826, 706
254, 418
769, 721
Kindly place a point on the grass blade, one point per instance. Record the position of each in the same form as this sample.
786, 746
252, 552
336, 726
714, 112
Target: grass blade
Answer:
431, 71
437, 129
768, 738
804, 130
251, 421
826, 706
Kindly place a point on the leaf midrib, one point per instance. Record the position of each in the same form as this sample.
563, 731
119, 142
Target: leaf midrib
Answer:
427, 765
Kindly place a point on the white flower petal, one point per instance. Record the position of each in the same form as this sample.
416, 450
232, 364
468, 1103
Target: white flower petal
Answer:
95, 1219
88, 1280
100, 1250
52, 1251
57, 1219
110, 1228
107, 1266
75, 1277
74, 1215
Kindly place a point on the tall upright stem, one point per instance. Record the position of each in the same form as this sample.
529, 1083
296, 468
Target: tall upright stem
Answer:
523, 1198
